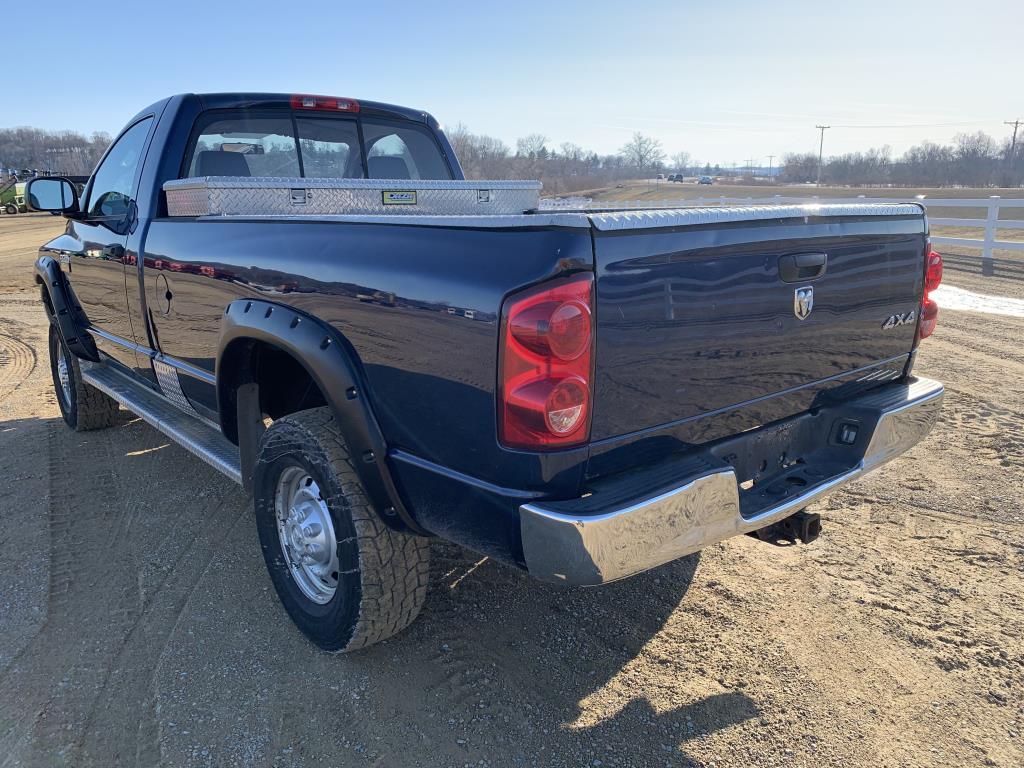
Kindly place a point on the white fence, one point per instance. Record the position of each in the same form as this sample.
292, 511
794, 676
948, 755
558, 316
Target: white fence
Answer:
986, 244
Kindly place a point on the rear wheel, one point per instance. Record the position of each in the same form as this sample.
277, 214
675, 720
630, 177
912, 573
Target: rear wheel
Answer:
11, 209
83, 406
347, 580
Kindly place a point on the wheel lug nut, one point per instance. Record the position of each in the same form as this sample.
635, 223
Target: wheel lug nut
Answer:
312, 530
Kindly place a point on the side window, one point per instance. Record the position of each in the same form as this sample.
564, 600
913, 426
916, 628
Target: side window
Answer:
112, 182
330, 148
402, 152
240, 144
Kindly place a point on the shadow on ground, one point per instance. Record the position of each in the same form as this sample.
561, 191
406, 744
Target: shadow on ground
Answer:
161, 641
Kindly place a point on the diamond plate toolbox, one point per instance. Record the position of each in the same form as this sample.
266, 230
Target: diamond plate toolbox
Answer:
273, 196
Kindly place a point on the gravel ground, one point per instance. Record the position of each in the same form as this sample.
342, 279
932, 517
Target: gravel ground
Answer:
138, 627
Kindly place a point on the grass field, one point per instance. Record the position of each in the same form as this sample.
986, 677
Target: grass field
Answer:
654, 191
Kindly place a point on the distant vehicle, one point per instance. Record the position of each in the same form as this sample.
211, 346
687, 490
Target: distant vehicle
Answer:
661, 175
679, 177
12, 199
705, 180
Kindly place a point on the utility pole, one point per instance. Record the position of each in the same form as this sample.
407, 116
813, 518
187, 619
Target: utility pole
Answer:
770, 159
1013, 141
821, 149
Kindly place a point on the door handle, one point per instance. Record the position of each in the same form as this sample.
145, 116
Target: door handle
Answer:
798, 267
114, 252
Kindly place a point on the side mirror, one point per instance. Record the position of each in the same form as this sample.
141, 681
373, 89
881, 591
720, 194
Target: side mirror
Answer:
55, 194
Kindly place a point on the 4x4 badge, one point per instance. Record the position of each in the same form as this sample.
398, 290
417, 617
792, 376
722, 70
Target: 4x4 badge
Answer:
894, 321
803, 302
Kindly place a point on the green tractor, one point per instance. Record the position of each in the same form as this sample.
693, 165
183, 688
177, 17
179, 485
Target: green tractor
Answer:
12, 198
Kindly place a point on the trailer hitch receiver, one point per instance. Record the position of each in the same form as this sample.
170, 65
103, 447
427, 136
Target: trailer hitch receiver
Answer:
801, 526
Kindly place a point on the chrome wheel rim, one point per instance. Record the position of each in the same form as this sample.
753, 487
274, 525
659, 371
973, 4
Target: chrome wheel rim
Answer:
306, 531
64, 375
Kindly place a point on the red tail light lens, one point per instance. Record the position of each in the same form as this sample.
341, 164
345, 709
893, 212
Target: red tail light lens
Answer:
932, 272
328, 103
929, 308
546, 360
929, 318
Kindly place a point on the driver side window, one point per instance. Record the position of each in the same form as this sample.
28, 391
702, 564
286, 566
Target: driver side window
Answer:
111, 190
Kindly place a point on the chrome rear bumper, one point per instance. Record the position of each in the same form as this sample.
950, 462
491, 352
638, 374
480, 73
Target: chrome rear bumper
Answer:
563, 543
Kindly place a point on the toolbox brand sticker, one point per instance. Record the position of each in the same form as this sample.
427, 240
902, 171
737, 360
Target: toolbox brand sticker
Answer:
394, 197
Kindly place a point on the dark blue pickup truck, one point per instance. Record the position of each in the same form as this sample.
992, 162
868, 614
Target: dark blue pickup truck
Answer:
304, 292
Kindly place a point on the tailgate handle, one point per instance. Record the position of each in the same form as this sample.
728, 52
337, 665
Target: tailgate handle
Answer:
798, 267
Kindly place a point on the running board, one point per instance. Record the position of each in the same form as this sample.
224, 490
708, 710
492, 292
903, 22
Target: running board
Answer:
193, 434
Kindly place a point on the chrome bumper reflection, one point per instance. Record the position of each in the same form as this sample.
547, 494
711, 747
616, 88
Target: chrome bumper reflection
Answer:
587, 550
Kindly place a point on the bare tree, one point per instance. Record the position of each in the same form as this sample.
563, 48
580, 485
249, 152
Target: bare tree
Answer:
642, 152
798, 168
532, 146
65, 151
681, 161
571, 151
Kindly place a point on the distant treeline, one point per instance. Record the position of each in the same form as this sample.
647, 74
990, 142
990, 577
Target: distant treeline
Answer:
68, 152
974, 160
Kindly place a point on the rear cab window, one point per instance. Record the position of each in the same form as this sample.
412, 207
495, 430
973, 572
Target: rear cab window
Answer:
238, 142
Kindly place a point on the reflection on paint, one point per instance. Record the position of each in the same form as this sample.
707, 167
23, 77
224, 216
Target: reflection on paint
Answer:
951, 297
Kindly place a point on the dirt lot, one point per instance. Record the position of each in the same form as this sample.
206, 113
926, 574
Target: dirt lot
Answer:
138, 627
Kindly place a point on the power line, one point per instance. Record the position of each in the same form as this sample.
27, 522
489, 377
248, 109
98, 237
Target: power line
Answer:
919, 125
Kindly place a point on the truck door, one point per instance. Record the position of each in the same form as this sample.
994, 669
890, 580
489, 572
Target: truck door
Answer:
97, 266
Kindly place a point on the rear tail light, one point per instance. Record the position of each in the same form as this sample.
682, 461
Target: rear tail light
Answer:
929, 318
325, 103
932, 272
929, 308
546, 361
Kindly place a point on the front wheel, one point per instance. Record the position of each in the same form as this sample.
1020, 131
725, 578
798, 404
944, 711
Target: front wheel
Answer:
83, 406
346, 579
11, 210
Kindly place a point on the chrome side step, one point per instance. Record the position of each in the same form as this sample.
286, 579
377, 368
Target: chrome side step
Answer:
193, 434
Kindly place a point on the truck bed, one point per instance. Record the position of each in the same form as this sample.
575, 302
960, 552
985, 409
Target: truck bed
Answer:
696, 336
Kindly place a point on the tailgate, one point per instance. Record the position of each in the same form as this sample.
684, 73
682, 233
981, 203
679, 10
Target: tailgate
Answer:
719, 320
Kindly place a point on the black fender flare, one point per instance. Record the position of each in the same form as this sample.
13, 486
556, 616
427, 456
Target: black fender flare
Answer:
330, 361
64, 310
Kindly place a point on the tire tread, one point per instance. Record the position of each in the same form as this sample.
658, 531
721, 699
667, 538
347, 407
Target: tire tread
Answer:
394, 567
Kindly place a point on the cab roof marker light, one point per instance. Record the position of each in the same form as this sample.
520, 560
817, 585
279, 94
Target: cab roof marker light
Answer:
324, 103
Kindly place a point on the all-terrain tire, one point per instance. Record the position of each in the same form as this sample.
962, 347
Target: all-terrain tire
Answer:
83, 406
381, 576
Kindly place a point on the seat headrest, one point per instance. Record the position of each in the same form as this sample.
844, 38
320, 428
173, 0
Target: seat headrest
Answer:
220, 163
387, 167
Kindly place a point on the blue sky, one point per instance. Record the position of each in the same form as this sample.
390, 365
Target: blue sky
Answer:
725, 81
